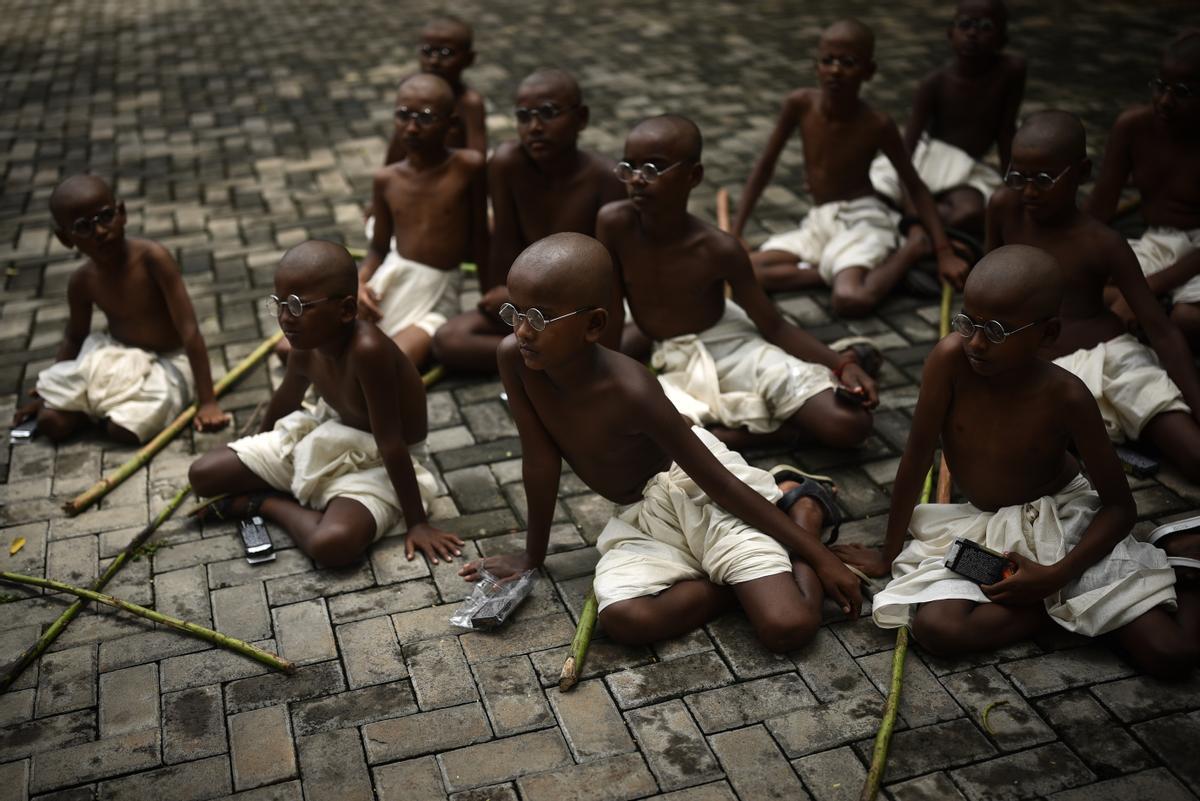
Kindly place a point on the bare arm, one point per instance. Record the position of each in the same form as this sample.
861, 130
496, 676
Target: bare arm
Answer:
1114, 171
616, 306
477, 198
1012, 107
760, 176
997, 208
381, 237
506, 241
474, 122
79, 323
378, 377
1176, 275
922, 112
289, 394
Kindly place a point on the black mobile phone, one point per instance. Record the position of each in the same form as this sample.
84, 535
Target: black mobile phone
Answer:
980, 565
849, 395
24, 431
257, 540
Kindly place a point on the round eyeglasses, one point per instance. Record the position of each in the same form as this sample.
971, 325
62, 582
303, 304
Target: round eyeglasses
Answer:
1042, 180
965, 327
535, 317
429, 51
86, 226
544, 112
293, 304
649, 172
424, 117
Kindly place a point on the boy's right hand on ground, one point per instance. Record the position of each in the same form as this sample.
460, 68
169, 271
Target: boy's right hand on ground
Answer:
856, 379
368, 304
27, 411
841, 585
868, 560
504, 566
431, 541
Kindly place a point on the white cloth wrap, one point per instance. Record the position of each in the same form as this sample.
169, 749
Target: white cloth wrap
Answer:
1159, 248
1127, 382
730, 375
676, 532
941, 166
1121, 586
846, 233
411, 293
138, 390
316, 458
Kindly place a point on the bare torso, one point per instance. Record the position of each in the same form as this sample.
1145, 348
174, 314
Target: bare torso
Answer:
837, 150
1166, 171
967, 111
132, 301
550, 204
431, 208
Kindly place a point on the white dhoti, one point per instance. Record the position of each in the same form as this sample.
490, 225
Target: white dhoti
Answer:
941, 167
1127, 382
677, 532
730, 375
835, 236
411, 293
1123, 585
1159, 248
316, 458
138, 390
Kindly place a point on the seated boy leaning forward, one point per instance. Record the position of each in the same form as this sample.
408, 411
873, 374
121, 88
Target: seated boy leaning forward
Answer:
959, 112
701, 531
1007, 420
848, 240
144, 371
339, 478
1137, 397
737, 366
1158, 146
541, 184
436, 206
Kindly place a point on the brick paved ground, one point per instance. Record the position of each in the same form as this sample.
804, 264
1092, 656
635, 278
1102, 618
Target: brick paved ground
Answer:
234, 130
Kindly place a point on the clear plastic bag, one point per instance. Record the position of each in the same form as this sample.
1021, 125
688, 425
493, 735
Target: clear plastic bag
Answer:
491, 602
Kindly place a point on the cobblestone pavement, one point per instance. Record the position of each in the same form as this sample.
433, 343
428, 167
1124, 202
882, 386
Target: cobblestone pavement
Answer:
234, 130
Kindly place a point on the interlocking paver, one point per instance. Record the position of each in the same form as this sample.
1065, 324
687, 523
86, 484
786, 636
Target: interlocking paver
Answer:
190, 781
590, 721
512, 696
426, 733
193, 724
755, 766
85, 762
1029, 774
370, 652
613, 779
835, 775
333, 768
749, 702
645, 685
129, 700
502, 760
260, 747
1085, 726
673, 745
416, 778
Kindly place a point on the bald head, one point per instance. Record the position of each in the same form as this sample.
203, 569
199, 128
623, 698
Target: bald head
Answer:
552, 79
1056, 134
852, 32
573, 270
325, 267
451, 27
1017, 279
427, 89
78, 191
678, 130
996, 10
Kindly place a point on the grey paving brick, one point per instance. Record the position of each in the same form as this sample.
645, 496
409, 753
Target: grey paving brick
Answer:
474, 488
206, 667
829, 669
735, 639
237, 571
613, 779
14, 781
1062, 670
47, 734
1085, 726
333, 768
287, 791
370, 652
825, 726
676, 750
481, 524
129, 700
1011, 722
242, 611
193, 724
591, 512
590, 722
834, 775
390, 565
184, 594
67, 680
1171, 739
603, 657
571, 564
324, 582
717, 791
425, 733
1158, 784
748, 702
439, 673
16, 706
73, 561
931, 787
146, 646
496, 792
416, 778
429, 623
861, 637
694, 642
450, 585
503, 760
391, 599
87, 762
309, 681
191, 781
645, 685
260, 747
353, 708
563, 537
923, 701
754, 765
1141, 697
303, 631
198, 552
489, 421
520, 637
911, 755
1028, 774
512, 696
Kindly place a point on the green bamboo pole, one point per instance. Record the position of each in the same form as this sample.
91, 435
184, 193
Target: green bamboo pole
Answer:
208, 635
573, 667
433, 375
14, 669
148, 451
883, 738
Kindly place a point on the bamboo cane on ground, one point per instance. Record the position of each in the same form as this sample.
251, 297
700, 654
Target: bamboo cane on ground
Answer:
573, 667
208, 635
14, 670
148, 451
883, 738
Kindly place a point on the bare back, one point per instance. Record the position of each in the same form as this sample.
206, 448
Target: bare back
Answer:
131, 299
837, 152
431, 208
1164, 167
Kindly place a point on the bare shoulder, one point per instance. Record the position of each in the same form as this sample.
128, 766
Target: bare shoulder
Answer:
1133, 121
372, 354
384, 175
471, 99
1014, 65
155, 256
507, 157
800, 99
1069, 391
615, 216
880, 119
1003, 202
470, 159
630, 383
597, 163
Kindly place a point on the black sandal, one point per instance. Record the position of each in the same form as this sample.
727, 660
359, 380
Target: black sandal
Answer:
819, 488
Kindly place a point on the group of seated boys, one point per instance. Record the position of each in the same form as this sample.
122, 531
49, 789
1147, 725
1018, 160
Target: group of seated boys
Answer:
1044, 370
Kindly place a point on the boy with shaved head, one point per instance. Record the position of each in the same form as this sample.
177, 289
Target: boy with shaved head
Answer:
848, 240
735, 365
1007, 421
139, 375
700, 531
435, 203
541, 184
1158, 146
1137, 397
339, 478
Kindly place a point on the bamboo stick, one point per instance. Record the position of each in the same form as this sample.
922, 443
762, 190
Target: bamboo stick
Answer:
883, 738
573, 667
433, 375
723, 210
148, 451
14, 670
208, 635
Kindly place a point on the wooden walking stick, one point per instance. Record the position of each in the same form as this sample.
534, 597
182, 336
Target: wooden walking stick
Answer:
883, 738
148, 451
13, 670
208, 635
